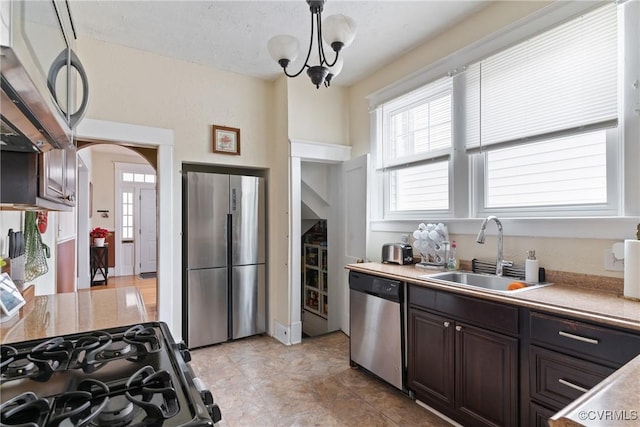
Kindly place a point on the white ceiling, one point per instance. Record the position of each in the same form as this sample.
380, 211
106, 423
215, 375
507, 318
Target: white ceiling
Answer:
233, 35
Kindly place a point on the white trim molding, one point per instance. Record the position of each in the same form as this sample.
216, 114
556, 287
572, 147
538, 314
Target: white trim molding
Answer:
169, 295
320, 151
619, 228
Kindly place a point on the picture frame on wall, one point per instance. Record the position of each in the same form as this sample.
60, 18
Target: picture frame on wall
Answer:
226, 140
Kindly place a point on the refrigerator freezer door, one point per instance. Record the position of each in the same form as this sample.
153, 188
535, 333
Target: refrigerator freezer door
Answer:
248, 300
247, 208
208, 206
207, 321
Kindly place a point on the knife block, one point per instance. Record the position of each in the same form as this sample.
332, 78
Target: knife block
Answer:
17, 270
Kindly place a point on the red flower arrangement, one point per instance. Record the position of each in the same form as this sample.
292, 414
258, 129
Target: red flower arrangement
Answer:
98, 233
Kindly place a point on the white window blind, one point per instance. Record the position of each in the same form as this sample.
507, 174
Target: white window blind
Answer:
417, 126
559, 82
415, 148
420, 188
571, 170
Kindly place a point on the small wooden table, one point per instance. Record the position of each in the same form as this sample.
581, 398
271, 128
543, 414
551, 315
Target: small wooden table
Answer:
99, 260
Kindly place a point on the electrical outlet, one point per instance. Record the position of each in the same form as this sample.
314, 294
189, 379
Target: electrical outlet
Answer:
404, 238
611, 263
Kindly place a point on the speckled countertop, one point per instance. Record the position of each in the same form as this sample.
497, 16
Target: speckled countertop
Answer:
607, 402
68, 313
613, 402
588, 304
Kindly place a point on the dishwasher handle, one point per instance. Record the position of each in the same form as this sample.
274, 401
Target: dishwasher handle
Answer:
387, 289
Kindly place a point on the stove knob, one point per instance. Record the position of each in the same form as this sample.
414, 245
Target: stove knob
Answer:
184, 351
212, 408
214, 412
207, 397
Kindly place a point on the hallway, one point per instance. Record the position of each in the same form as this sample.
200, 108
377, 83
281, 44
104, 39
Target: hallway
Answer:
146, 287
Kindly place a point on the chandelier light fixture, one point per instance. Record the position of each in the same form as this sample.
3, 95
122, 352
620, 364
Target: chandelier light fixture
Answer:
338, 31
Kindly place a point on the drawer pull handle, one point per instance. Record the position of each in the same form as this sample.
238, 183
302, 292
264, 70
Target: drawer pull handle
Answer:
458, 328
578, 337
446, 324
572, 385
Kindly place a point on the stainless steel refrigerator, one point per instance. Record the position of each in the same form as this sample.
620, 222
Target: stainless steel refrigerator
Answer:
224, 295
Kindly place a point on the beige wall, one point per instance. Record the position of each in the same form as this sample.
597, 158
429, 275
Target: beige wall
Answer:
132, 86
279, 202
573, 255
319, 115
102, 175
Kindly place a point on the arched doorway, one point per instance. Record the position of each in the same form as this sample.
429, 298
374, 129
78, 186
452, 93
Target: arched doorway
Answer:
169, 297
121, 195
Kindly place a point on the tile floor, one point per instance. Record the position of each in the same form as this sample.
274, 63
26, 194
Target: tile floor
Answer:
259, 382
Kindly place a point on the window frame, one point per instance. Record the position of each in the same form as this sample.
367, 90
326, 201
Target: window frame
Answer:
440, 87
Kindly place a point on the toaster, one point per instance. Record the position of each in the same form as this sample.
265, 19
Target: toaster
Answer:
397, 253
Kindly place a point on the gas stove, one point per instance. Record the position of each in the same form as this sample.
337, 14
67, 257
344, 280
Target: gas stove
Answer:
119, 377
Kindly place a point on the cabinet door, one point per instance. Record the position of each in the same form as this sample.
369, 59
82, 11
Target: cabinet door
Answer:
486, 376
70, 168
430, 373
53, 165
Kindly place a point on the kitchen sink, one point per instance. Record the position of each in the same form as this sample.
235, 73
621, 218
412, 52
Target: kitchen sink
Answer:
483, 281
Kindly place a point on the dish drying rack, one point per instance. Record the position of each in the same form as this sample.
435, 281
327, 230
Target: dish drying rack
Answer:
488, 267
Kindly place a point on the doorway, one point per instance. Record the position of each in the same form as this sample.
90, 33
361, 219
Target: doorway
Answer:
122, 199
315, 277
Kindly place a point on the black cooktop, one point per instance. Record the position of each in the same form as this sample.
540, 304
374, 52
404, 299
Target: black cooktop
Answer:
129, 376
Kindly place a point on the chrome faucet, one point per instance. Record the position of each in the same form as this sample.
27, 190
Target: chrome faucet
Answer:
500, 263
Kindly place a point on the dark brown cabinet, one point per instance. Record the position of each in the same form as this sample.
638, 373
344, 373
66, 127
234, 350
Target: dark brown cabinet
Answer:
467, 372
431, 356
568, 357
58, 176
486, 376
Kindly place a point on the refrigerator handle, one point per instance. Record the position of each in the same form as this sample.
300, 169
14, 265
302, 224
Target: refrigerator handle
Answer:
233, 200
229, 275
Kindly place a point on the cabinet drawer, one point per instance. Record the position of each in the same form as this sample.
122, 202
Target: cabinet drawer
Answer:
422, 297
478, 312
557, 379
591, 342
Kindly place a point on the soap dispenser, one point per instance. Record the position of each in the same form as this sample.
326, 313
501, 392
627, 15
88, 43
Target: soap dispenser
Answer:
531, 267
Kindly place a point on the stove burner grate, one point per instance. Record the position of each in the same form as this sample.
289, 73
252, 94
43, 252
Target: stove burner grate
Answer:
24, 410
119, 412
7, 355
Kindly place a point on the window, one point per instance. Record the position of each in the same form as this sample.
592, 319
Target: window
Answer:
138, 177
127, 214
558, 89
570, 170
415, 149
531, 130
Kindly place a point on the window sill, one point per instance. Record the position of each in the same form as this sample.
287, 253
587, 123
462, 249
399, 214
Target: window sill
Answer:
614, 228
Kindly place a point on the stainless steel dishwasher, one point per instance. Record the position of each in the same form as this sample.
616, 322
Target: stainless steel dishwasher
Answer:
376, 309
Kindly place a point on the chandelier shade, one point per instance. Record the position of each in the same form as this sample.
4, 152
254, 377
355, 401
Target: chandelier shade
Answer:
284, 47
338, 31
339, 28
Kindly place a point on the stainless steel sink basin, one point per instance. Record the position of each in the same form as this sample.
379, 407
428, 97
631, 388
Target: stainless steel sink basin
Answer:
483, 281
